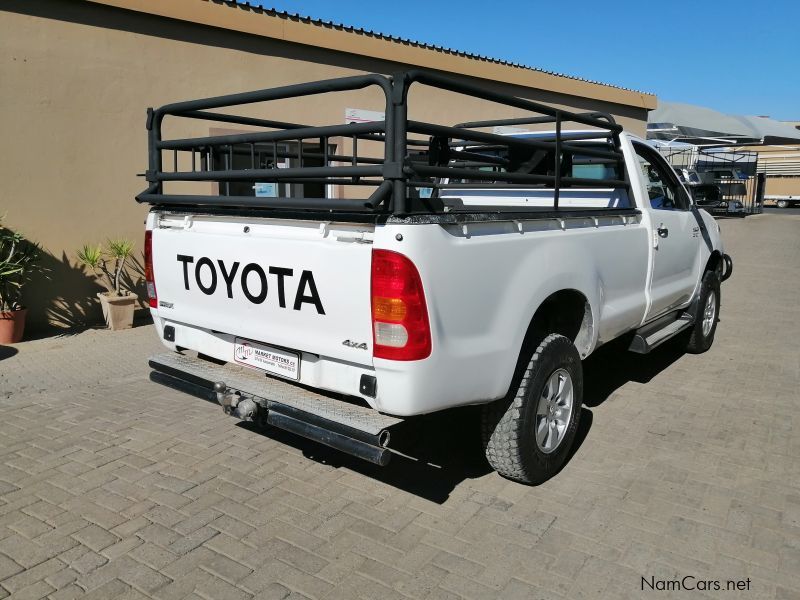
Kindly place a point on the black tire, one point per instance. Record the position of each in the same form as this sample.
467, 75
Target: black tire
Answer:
782, 204
508, 425
699, 341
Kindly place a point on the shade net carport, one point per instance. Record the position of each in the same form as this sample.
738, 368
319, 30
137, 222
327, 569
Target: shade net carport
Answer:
701, 126
703, 139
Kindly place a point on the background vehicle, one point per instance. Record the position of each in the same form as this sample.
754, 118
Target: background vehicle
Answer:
733, 187
730, 207
341, 317
732, 183
783, 201
708, 196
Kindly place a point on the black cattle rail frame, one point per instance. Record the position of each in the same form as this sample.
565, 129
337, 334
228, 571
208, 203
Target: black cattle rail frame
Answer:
450, 152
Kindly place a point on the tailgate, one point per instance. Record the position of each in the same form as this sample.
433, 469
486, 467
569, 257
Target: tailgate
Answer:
299, 285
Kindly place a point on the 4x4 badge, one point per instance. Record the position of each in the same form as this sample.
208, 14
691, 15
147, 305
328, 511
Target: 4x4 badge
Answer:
349, 344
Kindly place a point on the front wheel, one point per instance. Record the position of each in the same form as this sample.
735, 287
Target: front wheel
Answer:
783, 204
527, 435
706, 314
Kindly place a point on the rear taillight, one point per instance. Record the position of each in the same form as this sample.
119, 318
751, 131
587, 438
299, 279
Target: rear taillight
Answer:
400, 327
149, 278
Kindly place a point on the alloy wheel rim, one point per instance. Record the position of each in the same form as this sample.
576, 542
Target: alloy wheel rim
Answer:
554, 410
709, 313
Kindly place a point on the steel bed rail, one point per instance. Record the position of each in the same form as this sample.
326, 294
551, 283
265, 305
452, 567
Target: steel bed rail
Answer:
236, 162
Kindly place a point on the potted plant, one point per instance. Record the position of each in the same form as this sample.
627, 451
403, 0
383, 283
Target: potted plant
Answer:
109, 264
19, 258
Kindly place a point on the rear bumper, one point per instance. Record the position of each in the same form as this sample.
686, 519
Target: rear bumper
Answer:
319, 372
404, 388
339, 422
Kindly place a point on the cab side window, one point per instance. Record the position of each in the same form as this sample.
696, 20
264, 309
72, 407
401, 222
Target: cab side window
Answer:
663, 188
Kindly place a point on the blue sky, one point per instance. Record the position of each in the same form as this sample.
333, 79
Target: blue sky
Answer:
734, 56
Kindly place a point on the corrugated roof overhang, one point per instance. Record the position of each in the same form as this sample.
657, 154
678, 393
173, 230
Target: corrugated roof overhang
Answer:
263, 22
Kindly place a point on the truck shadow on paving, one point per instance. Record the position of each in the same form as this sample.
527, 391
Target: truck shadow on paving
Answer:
611, 366
447, 445
447, 451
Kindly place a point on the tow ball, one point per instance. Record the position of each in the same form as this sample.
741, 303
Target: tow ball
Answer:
234, 404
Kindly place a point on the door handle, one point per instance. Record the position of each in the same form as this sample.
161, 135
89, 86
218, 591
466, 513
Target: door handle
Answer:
662, 231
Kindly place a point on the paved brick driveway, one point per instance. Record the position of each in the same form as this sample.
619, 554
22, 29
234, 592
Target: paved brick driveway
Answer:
113, 487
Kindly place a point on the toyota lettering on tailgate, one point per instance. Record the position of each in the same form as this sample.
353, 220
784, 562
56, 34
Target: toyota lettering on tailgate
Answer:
251, 280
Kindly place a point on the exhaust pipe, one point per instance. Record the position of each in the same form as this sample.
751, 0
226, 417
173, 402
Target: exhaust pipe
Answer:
374, 454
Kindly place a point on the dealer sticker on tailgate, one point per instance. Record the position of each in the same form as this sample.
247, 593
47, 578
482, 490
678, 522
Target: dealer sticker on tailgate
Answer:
268, 358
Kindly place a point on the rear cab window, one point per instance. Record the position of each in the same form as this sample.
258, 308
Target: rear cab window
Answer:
541, 162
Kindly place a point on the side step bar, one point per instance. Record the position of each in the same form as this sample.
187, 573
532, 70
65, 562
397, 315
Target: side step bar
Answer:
667, 327
254, 396
659, 331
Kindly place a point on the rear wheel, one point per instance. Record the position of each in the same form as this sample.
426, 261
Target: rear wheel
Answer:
783, 204
527, 436
706, 315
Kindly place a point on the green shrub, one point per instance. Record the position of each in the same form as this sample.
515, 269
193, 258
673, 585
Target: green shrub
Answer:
109, 263
19, 259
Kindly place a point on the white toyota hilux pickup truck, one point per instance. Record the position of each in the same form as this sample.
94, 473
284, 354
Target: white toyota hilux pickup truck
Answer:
339, 280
